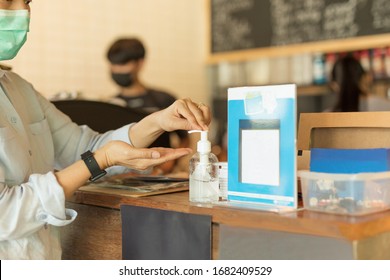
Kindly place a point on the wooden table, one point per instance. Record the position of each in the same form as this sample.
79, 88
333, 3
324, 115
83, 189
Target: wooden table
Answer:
236, 233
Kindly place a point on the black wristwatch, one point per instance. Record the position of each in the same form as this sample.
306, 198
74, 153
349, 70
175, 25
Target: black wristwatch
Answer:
93, 166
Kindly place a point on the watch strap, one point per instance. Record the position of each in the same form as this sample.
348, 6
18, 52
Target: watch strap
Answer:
93, 166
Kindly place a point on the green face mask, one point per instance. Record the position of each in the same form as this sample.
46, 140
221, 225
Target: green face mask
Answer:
14, 25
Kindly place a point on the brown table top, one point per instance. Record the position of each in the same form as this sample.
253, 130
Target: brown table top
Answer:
300, 221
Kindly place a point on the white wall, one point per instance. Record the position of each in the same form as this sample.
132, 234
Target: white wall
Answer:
67, 43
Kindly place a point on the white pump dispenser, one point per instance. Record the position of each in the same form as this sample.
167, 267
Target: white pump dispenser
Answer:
203, 146
203, 172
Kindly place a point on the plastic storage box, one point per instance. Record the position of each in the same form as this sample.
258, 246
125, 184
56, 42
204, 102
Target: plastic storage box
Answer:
348, 194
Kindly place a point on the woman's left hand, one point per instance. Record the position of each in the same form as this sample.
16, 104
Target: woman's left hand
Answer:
184, 114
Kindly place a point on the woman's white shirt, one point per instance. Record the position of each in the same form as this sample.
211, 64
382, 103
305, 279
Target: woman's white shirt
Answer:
35, 139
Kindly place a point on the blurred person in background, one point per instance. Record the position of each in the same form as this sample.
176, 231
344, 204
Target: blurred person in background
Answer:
353, 84
127, 59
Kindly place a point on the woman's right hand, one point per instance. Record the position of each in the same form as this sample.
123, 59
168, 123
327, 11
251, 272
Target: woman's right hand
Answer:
120, 153
116, 153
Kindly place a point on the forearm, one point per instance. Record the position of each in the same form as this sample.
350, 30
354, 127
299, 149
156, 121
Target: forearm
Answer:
76, 175
143, 133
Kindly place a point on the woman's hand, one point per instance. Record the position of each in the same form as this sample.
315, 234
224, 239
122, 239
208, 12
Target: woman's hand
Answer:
121, 153
116, 153
183, 114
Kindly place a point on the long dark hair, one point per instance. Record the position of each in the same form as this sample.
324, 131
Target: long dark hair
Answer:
347, 73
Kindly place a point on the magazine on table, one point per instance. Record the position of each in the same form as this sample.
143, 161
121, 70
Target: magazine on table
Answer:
138, 185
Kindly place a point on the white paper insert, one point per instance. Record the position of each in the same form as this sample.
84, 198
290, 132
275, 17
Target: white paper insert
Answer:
260, 156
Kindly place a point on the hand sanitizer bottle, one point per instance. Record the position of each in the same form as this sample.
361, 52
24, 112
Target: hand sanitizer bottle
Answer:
204, 187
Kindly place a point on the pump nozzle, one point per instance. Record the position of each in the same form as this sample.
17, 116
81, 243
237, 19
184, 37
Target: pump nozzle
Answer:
204, 145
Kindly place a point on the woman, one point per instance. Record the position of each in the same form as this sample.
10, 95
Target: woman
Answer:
36, 139
352, 84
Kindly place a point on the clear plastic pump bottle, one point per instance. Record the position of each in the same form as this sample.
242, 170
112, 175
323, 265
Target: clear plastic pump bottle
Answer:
204, 187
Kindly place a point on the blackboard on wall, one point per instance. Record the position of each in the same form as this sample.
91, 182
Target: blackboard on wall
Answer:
250, 24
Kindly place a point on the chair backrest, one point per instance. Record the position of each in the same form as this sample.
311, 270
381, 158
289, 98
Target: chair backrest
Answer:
103, 116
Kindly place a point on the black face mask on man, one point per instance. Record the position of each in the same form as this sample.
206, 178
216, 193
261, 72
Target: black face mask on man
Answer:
123, 79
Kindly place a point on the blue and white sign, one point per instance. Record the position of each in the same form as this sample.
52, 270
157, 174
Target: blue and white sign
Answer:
261, 145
